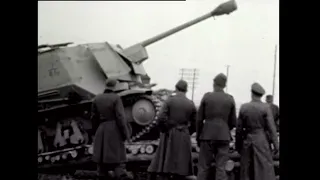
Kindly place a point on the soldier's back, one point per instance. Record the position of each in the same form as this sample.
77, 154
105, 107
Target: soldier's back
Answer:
253, 132
180, 109
254, 114
216, 107
105, 104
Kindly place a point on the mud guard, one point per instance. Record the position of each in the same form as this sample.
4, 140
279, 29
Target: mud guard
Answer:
135, 91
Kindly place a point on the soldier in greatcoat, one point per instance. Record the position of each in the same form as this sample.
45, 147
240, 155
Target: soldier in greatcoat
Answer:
255, 124
274, 110
173, 156
109, 123
216, 117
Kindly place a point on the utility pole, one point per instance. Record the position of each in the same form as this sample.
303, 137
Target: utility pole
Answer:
191, 76
182, 73
193, 82
227, 77
274, 70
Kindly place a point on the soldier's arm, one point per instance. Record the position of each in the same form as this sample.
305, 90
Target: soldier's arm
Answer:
192, 128
239, 131
94, 117
232, 116
120, 118
200, 118
271, 128
163, 115
277, 116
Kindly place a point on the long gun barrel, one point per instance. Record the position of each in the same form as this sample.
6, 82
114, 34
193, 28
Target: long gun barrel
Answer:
137, 53
174, 30
53, 45
224, 8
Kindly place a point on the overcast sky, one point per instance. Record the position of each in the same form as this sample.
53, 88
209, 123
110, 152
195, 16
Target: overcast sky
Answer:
244, 39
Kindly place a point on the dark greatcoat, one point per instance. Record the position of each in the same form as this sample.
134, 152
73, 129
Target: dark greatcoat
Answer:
173, 155
275, 114
108, 120
254, 121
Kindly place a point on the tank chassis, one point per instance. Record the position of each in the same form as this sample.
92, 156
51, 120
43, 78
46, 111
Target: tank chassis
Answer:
68, 80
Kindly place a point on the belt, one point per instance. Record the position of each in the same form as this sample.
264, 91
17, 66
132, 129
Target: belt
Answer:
181, 127
213, 119
255, 130
105, 119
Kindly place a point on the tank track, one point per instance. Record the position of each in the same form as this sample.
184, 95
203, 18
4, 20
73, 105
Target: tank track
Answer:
71, 154
156, 102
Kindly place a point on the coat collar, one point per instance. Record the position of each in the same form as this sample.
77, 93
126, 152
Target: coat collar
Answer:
256, 100
180, 94
218, 90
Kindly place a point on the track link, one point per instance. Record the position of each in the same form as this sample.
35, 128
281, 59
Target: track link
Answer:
157, 105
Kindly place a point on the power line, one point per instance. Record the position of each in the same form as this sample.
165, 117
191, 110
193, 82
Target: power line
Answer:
191, 76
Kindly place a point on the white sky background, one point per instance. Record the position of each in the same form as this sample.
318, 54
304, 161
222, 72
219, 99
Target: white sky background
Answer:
244, 39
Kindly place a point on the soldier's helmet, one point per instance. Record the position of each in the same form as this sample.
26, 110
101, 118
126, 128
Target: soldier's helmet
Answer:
111, 84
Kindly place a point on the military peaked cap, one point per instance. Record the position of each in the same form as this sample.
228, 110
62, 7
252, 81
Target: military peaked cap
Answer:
269, 96
258, 89
220, 80
182, 85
